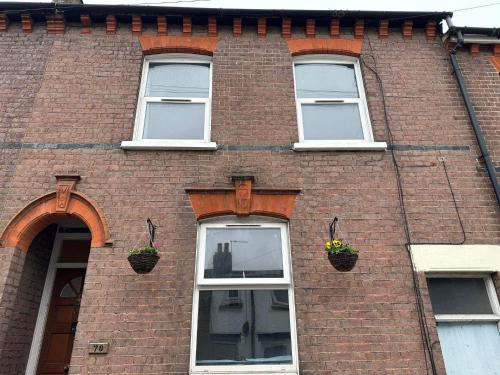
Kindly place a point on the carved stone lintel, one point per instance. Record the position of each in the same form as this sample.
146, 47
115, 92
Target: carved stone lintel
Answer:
64, 186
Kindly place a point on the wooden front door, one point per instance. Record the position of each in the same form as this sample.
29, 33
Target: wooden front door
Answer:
61, 322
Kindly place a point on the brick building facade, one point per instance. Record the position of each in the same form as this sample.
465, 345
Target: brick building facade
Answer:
75, 168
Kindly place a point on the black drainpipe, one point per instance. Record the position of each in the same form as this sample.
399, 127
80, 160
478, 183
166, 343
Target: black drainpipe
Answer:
470, 109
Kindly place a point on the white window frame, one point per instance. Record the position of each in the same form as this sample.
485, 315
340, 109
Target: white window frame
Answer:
191, 144
328, 144
492, 296
285, 283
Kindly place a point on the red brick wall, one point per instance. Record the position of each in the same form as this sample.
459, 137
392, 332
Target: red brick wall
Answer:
362, 322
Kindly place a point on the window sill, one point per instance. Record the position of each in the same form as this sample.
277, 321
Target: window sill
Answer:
339, 146
159, 144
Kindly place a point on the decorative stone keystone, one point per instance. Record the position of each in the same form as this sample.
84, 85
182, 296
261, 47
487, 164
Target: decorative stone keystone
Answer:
65, 185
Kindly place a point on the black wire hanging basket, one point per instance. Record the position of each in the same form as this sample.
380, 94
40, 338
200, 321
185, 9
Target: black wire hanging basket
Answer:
342, 256
143, 260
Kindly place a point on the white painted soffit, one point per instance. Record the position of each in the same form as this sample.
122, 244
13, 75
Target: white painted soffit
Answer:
456, 258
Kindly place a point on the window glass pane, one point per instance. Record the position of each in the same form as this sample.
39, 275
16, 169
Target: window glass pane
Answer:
176, 80
326, 81
331, 122
174, 121
243, 253
245, 328
459, 296
470, 348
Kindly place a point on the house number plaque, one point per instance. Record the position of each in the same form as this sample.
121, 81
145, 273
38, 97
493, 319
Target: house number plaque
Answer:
98, 347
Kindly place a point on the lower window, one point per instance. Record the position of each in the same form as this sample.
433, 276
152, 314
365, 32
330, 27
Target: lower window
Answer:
468, 317
243, 311
243, 327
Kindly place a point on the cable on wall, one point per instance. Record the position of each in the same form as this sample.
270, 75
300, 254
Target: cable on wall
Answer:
424, 329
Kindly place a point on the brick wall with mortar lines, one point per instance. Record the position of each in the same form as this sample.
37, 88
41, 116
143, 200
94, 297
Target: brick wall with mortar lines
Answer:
363, 322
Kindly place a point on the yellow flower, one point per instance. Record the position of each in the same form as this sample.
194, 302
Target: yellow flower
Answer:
337, 243
328, 245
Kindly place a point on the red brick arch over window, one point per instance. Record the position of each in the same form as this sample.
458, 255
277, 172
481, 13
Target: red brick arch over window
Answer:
349, 47
50, 208
178, 44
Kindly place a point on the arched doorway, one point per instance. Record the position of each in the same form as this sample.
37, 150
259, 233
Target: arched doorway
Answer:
44, 251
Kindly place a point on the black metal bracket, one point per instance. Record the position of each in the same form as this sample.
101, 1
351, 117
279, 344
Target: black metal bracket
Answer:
151, 232
333, 228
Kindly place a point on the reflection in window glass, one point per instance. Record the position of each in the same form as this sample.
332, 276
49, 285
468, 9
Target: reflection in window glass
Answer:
326, 81
243, 328
174, 121
175, 80
243, 253
331, 121
459, 296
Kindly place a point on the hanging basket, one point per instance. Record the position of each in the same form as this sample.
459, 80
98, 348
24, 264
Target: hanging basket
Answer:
143, 263
343, 262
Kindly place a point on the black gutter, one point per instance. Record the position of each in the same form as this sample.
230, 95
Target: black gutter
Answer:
470, 110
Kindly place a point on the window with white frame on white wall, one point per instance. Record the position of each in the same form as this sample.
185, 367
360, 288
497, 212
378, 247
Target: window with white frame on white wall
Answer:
332, 110
467, 314
173, 109
243, 306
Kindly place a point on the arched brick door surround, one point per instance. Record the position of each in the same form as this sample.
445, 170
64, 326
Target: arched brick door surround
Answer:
65, 202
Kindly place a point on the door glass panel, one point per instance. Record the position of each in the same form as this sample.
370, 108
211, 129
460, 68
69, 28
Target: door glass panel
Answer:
174, 121
73, 288
243, 329
459, 296
174, 80
326, 81
331, 122
243, 253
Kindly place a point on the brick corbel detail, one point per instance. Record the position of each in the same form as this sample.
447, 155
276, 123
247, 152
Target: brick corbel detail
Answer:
187, 26
383, 29
4, 22
162, 27
349, 47
407, 29
359, 29
474, 49
430, 30
310, 28
111, 25
55, 24
65, 202
237, 27
26, 23
261, 27
167, 44
136, 25
495, 50
243, 200
495, 60
212, 26
86, 23
286, 28
335, 28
